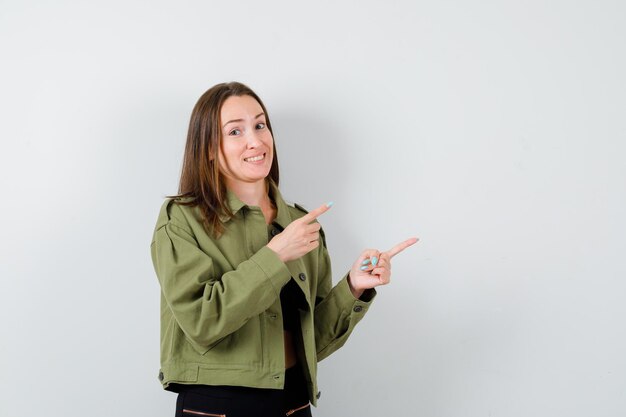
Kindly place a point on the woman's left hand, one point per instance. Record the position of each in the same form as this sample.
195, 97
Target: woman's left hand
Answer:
373, 268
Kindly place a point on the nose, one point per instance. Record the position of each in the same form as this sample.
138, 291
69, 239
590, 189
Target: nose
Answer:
254, 140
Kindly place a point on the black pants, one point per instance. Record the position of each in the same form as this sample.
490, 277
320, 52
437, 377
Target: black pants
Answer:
227, 401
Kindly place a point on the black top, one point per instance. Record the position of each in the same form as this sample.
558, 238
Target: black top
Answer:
291, 298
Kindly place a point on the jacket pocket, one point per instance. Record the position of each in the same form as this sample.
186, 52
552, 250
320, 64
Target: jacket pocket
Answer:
243, 348
220, 340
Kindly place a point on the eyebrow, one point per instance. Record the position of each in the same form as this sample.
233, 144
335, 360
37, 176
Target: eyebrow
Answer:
241, 120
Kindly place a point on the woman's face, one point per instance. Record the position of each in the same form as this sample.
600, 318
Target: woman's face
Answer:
246, 150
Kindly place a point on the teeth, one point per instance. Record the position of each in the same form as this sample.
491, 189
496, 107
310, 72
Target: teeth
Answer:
254, 158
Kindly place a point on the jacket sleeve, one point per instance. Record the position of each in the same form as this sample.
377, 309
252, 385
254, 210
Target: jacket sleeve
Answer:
208, 307
337, 311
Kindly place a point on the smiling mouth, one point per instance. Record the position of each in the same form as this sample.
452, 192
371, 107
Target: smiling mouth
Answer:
255, 158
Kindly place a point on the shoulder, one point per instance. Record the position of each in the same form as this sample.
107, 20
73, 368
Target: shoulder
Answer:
177, 211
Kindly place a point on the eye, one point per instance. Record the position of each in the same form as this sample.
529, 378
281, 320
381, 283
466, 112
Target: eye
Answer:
234, 132
260, 126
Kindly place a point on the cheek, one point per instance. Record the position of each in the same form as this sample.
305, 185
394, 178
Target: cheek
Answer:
223, 159
227, 152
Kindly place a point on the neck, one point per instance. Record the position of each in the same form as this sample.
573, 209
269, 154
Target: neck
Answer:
252, 194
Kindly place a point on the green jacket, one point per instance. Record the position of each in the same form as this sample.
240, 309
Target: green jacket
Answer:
221, 318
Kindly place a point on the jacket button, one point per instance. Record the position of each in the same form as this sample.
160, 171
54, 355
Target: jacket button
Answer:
161, 376
302, 276
274, 232
357, 309
318, 395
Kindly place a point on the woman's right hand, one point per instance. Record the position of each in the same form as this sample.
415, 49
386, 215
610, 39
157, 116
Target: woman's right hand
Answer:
300, 237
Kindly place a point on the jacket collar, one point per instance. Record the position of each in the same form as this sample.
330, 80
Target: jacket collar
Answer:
283, 218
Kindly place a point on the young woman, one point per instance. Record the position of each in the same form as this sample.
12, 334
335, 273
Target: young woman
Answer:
247, 302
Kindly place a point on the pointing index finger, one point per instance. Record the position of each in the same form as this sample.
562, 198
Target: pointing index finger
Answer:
314, 214
401, 246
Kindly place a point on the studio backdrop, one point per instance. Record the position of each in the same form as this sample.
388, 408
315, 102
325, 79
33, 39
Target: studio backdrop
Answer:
493, 131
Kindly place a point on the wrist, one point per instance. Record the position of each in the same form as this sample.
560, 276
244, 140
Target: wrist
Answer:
355, 292
269, 245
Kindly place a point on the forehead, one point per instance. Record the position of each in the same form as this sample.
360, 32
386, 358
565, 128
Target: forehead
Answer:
239, 107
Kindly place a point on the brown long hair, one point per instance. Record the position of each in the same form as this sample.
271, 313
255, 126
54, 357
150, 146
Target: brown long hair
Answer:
201, 181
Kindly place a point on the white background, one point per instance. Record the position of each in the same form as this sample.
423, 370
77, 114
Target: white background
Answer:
494, 131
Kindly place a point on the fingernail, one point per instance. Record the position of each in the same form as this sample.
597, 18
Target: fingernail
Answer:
365, 262
363, 268
374, 260
329, 204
